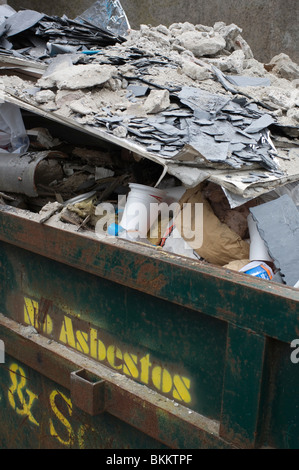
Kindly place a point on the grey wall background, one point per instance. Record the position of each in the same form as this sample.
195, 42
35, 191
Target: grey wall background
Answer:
270, 27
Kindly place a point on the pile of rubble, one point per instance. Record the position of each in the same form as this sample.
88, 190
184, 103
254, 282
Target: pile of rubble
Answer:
185, 106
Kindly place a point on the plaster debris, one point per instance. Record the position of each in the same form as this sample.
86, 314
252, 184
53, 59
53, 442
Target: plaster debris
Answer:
202, 43
184, 105
78, 77
78, 106
44, 96
195, 71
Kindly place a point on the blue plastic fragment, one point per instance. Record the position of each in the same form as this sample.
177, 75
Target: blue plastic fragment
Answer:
90, 52
115, 229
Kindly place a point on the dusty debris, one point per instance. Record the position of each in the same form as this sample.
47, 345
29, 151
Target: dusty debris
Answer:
195, 71
49, 210
278, 225
47, 171
188, 101
284, 67
233, 63
157, 101
44, 96
96, 157
40, 138
28, 331
202, 43
156, 67
78, 77
80, 107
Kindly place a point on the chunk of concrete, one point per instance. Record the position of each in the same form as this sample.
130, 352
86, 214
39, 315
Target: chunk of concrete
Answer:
78, 77
202, 43
234, 63
44, 96
285, 67
189, 176
157, 101
240, 43
79, 107
278, 97
229, 32
120, 131
176, 29
293, 114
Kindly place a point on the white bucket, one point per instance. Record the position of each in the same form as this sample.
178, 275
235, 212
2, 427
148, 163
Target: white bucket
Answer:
258, 250
137, 214
174, 194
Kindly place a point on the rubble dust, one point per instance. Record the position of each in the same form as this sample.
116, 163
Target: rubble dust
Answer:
191, 95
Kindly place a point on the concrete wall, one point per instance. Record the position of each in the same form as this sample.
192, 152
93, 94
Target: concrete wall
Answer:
270, 27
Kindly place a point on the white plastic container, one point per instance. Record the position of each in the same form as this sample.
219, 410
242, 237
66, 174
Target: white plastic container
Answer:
137, 216
258, 250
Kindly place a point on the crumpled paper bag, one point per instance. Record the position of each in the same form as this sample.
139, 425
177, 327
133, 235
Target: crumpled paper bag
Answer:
220, 244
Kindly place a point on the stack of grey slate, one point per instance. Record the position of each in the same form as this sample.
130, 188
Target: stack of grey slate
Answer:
29, 33
222, 131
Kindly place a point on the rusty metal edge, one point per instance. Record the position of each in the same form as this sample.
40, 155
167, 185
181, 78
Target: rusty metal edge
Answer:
127, 400
158, 274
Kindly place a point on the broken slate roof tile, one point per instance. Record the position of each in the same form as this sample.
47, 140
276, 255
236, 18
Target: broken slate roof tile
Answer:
278, 225
209, 149
154, 148
138, 90
21, 21
245, 81
203, 115
177, 113
167, 129
248, 156
262, 123
195, 98
259, 175
213, 130
236, 118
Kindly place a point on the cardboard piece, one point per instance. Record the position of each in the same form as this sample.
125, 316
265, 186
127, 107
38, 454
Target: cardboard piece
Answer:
220, 244
237, 265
